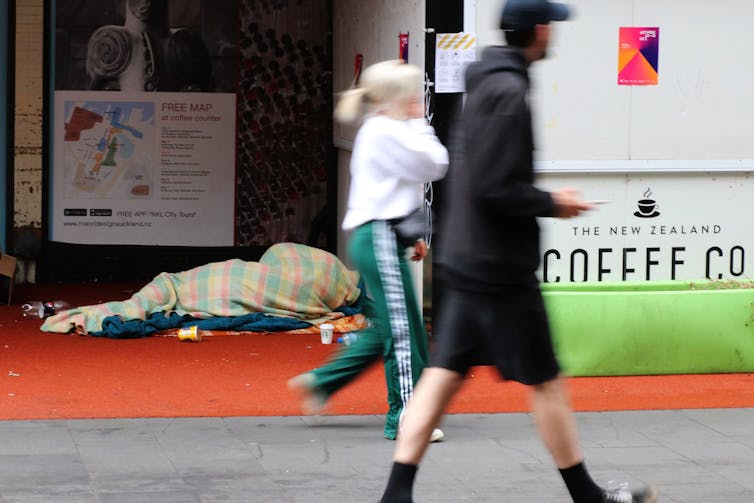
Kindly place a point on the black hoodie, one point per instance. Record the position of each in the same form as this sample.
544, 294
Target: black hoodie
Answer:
489, 235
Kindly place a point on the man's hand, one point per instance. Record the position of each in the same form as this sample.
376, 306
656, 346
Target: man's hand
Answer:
568, 203
420, 251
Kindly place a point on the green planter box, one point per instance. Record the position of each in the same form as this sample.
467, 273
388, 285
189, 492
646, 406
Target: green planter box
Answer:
632, 328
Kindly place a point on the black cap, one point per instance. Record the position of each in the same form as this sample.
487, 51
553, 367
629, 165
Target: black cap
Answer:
526, 14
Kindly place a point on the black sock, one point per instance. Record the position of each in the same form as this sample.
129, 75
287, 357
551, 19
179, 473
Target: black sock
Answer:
400, 485
580, 484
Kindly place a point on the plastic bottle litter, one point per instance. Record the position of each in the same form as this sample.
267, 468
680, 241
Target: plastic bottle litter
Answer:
39, 309
348, 338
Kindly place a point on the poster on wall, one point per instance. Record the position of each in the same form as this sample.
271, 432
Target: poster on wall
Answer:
191, 123
144, 169
638, 56
453, 52
403, 47
143, 125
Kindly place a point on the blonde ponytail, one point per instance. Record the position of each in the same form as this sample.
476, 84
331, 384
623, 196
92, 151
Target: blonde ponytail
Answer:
350, 105
382, 85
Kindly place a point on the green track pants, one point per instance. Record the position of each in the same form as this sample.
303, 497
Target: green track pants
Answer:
396, 333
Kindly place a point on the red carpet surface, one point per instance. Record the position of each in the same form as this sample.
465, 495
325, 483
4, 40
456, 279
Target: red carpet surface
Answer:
55, 376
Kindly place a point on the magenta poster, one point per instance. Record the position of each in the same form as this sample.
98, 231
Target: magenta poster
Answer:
638, 55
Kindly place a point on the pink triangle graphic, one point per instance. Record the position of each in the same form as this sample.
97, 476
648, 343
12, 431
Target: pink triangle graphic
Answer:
638, 71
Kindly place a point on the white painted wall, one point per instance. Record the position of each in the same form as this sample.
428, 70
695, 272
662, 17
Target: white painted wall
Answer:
697, 111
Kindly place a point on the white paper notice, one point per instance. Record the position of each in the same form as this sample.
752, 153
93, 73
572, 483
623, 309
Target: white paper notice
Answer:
453, 51
144, 168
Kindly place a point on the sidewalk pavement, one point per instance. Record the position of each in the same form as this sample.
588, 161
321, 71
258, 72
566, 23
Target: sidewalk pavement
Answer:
704, 456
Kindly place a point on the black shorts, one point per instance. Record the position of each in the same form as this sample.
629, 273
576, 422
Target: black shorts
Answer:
506, 328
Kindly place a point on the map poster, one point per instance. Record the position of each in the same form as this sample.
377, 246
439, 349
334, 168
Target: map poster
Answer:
144, 168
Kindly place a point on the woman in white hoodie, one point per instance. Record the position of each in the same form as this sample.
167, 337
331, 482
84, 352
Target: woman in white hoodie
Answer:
395, 152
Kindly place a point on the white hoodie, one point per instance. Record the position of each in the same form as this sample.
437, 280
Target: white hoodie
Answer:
391, 159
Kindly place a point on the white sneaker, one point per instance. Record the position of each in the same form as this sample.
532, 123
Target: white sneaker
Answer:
437, 435
617, 492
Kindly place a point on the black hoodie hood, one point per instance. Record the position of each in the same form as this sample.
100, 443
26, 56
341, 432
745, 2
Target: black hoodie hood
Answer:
496, 59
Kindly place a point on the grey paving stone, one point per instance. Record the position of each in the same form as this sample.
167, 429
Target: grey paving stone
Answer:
703, 456
35, 438
63, 472
46, 496
149, 497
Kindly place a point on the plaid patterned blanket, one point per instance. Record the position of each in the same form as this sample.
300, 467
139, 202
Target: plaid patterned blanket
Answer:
290, 280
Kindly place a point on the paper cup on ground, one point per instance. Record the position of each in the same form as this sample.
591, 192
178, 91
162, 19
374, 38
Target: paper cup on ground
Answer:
325, 332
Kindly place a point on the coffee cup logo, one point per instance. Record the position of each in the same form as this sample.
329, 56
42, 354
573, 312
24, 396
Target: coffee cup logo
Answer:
647, 207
